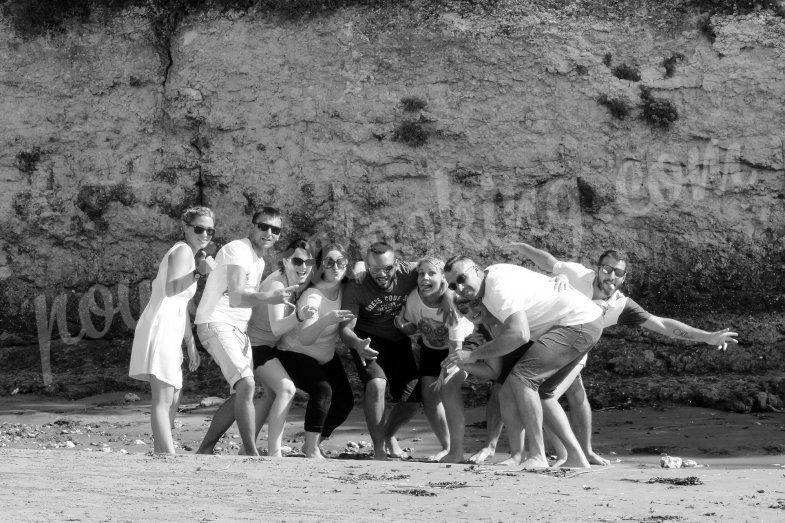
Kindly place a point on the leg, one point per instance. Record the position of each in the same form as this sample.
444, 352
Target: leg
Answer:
527, 402
244, 413
262, 407
343, 396
435, 412
163, 398
275, 379
401, 413
452, 398
558, 423
513, 421
373, 406
580, 419
222, 420
174, 407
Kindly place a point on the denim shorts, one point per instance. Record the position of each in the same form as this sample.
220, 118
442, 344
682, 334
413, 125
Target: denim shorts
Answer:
555, 354
230, 348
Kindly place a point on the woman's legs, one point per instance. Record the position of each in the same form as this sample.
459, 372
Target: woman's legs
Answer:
434, 411
163, 398
343, 396
174, 407
275, 379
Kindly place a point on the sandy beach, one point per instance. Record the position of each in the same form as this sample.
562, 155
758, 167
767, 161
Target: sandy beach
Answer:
107, 472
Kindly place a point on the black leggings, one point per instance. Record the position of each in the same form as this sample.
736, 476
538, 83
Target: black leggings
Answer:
330, 395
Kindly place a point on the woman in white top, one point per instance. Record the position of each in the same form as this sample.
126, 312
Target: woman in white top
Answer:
265, 328
307, 352
157, 353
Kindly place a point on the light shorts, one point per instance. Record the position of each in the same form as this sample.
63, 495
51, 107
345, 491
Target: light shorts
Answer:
230, 348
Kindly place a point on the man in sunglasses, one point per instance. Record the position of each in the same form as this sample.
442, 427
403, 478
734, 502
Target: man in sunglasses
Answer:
564, 326
602, 285
382, 354
222, 318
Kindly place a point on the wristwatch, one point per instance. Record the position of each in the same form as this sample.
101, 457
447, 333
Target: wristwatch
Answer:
197, 274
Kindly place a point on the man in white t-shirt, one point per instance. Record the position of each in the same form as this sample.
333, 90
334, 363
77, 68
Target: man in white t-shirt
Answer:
602, 286
563, 325
222, 317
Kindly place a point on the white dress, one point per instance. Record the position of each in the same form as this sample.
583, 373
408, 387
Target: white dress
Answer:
158, 339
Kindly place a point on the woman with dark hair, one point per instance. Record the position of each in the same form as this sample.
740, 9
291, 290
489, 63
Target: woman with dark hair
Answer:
307, 352
266, 326
157, 353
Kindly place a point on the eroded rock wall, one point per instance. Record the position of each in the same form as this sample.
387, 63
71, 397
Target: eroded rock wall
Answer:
443, 134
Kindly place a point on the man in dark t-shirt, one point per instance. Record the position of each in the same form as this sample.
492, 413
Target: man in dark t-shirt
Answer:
382, 354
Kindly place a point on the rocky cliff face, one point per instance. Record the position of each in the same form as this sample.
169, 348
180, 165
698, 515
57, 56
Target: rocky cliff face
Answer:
443, 132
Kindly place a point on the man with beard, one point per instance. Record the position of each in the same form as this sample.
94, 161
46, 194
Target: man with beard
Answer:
382, 354
564, 326
222, 319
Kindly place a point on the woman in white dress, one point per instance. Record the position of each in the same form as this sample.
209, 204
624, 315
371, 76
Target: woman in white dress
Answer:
157, 354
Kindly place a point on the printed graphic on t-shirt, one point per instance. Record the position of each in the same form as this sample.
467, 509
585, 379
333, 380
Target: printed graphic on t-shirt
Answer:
386, 306
435, 332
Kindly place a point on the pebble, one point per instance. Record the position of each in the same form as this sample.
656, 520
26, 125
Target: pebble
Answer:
123, 451
70, 444
670, 462
139, 442
211, 401
131, 397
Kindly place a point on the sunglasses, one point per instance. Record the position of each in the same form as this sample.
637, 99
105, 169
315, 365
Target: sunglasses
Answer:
380, 270
299, 262
340, 263
264, 227
460, 279
198, 229
607, 269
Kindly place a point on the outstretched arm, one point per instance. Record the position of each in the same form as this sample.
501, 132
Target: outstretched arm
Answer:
682, 331
542, 259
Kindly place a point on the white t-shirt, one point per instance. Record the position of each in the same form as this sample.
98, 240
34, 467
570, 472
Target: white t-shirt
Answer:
429, 321
323, 349
510, 289
259, 330
214, 306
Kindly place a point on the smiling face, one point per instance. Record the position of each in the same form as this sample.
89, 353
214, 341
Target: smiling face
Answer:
430, 280
265, 231
607, 280
334, 264
382, 268
465, 278
298, 267
198, 240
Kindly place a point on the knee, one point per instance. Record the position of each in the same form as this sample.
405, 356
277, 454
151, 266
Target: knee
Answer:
285, 390
323, 391
374, 390
245, 388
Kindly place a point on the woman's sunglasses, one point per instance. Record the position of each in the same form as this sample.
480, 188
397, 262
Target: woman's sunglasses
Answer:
264, 227
341, 263
299, 262
198, 229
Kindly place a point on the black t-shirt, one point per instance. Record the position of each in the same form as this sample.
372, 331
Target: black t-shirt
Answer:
378, 308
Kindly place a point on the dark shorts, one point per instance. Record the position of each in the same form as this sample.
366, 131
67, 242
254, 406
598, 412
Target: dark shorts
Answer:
262, 354
509, 361
431, 360
551, 358
394, 364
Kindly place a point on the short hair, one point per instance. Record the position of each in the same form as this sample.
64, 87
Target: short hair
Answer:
432, 260
378, 248
618, 254
298, 243
193, 213
272, 212
455, 259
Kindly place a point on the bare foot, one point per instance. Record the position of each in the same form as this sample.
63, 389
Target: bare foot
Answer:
274, 453
439, 455
393, 449
512, 461
482, 455
596, 459
573, 463
559, 461
535, 464
314, 453
452, 457
380, 455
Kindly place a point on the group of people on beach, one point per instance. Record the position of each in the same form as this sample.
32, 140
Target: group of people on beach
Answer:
528, 332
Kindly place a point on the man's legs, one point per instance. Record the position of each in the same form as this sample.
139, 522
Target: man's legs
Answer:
222, 420
581, 420
452, 399
493, 426
373, 407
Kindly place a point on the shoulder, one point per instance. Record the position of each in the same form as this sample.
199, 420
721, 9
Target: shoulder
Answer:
180, 253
